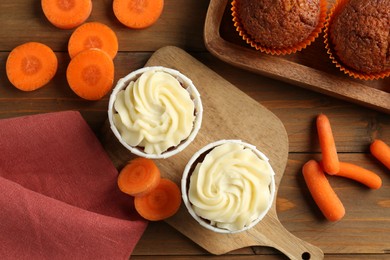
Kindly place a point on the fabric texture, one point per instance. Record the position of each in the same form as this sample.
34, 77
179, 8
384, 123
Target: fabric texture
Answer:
58, 192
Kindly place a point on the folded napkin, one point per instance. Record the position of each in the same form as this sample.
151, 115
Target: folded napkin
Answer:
58, 193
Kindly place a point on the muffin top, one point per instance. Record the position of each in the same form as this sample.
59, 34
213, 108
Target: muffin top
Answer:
360, 34
279, 23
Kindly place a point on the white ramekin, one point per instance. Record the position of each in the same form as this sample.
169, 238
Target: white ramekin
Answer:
186, 83
187, 174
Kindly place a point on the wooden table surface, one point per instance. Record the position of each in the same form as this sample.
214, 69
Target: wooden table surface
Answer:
364, 232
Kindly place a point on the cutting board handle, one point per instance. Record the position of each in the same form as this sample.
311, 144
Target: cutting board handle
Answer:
278, 237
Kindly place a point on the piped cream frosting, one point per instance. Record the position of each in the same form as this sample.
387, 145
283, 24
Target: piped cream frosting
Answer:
231, 187
154, 112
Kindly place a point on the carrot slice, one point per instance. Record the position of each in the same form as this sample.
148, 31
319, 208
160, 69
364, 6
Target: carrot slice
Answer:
381, 151
330, 158
31, 66
359, 174
138, 14
321, 191
90, 74
139, 177
66, 14
161, 203
93, 35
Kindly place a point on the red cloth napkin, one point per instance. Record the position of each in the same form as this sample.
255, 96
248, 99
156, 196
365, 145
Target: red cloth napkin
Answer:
58, 193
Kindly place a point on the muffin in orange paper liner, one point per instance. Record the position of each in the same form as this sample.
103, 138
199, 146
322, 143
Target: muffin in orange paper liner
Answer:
357, 38
279, 27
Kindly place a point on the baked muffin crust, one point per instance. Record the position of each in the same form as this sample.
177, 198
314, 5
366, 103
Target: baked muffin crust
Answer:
279, 23
360, 34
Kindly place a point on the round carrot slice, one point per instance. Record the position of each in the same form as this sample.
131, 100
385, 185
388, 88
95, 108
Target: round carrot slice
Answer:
138, 14
90, 74
139, 177
93, 35
66, 14
161, 203
31, 66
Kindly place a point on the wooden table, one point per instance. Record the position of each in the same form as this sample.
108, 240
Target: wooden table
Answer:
364, 233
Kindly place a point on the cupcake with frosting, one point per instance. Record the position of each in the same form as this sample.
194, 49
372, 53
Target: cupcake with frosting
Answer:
228, 186
279, 26
155, 112
357, 37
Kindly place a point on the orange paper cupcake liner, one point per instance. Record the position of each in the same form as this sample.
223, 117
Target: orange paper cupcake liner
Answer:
334, 11
279, 51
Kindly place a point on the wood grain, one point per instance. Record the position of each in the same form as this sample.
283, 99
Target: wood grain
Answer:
363, 234
297, 69
354, 126
364, 229
180, 24
228, 114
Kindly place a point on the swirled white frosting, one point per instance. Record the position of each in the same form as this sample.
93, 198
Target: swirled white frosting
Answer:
231, 187
154, 112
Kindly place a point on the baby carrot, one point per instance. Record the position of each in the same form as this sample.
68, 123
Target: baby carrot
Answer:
93, 35
357, 173
66, 14
139, 177
31, 65
90, 74
138, 14
330, 158
161, 203
321, 191
381, 151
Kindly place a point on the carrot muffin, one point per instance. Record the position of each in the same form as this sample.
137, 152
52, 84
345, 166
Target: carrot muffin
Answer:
283, 25
360, 35
155, 112
231, 189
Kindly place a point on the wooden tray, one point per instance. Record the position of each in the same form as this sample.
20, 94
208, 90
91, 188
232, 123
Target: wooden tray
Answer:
228, 114
311, 68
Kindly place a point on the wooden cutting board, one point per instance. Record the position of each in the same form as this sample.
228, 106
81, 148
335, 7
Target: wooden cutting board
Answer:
228, 114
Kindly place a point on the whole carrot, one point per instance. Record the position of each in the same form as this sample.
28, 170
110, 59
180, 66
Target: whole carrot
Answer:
330, 158
357, 173
321, 191
381, 151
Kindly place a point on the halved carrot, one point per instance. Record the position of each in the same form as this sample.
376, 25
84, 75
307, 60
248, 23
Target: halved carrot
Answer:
93, 35
66, 14
330, 158
90, 74
139, 177
31, 66
359, 174
321, 191
161, 203
381, 151
138, 14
